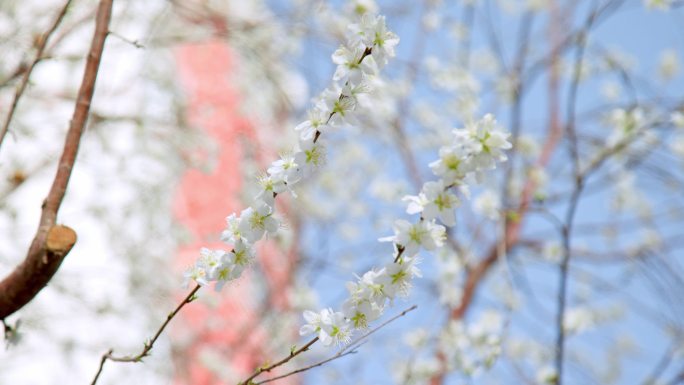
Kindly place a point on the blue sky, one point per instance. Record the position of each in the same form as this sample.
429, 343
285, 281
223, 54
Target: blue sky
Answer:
641, 33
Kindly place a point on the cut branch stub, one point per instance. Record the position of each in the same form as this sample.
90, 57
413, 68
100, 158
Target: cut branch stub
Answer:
34, 273
60, 240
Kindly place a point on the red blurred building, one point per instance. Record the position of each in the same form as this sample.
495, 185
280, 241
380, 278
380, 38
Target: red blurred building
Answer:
226, 339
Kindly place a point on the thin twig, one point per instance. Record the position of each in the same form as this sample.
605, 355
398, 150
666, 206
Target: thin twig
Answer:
27, 74
304, 369
41, 263
285, 360
574, 198
476, 275
661, 365
134, 43
399, 124
148, 345
354, 343
347, 350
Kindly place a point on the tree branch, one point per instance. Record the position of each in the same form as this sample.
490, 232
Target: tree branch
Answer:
578, 187
148, 345
304, 369
285, 360
43, 260
347, 350
42, 43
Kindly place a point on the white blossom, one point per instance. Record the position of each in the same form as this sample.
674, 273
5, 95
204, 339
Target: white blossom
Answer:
474, 347
677, 145
488, 139
287, 168
239, 258
197, 273
369, 287
232, 232
577, 320
547, 375
360, 313
350, 67
372, 32
677, 118
313, 323
611, 91
451, 165
425, 234
317, 122
552, 252
331, 327
432, 20
488, 204
361, 7
661, 5
255, 221
668, 65
270, 186
417, 338
311, 155
435, 201
398, 276
340, 107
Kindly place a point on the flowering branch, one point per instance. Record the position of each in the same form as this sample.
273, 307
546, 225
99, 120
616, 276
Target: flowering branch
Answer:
285, 360
475, 149
306, 368
349, 349
368, 48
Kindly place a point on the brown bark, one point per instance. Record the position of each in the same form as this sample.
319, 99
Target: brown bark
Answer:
52, 243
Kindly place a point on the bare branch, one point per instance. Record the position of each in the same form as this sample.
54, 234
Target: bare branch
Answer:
148, 345
574, 199
42, 43
41, 262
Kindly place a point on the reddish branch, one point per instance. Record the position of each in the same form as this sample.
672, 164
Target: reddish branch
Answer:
42, 43
513, 226
44, 256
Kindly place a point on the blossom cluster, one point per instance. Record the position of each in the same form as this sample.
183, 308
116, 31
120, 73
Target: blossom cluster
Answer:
475, 149
473, 347
468, 347
368, 47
